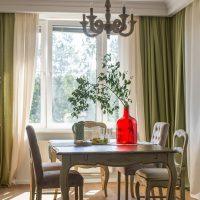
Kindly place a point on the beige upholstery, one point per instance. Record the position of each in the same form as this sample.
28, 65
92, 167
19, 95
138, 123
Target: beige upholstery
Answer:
104, 169
47, 174
153, 173
159, 137
158, 177
160, 133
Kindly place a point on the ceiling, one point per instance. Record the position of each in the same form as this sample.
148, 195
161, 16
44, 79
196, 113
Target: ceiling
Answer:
138, 7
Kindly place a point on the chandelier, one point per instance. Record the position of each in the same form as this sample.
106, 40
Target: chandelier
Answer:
96, 27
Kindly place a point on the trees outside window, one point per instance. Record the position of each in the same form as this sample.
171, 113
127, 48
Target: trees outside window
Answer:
63, 54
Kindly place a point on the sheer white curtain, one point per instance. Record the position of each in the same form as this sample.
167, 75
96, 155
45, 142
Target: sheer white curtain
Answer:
192, 52
130, 61
24, 70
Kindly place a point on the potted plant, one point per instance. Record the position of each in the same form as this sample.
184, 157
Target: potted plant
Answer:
112, 81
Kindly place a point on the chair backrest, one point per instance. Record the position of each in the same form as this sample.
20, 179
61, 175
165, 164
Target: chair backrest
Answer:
93, 125
160, 133
180, 141
90, 124
35, 153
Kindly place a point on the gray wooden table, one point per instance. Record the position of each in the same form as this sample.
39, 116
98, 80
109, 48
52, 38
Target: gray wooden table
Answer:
111, 155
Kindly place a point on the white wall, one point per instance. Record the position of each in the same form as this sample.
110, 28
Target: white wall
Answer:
145, 7
79, 6
176, 5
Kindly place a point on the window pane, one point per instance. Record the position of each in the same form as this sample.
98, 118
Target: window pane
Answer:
113, 49
73, 55
35, 114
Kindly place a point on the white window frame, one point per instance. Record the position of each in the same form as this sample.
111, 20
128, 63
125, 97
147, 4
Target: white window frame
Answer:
46, 75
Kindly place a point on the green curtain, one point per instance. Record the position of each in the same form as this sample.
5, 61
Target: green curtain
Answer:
162, 57
178, 52
6, 94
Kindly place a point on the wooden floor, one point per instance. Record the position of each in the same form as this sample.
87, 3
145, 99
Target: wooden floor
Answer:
92, 191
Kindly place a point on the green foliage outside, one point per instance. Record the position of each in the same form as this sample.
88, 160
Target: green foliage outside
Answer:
35, 114
73, 56
69, 61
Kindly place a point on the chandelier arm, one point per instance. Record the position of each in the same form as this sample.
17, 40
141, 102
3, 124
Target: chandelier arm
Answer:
87, 33
132, 22
97, 26
123, 19
119, 25
122, 25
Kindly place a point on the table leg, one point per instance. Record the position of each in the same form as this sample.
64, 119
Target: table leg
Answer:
64, 177
172, 177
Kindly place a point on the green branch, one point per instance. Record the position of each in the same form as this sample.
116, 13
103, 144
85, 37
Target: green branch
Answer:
110, 90
115, 82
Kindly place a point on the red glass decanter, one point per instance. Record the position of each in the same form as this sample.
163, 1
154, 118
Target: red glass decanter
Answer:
126, 129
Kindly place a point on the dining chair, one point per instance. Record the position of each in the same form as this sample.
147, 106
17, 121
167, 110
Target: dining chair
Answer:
104, 171
159, 177
159, 137
45, 176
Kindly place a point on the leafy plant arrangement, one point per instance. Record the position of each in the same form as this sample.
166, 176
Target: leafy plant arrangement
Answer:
112, 81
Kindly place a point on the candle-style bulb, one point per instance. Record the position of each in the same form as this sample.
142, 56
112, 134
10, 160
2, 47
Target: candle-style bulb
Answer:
131, 17
124, 9
91, 11
84, 17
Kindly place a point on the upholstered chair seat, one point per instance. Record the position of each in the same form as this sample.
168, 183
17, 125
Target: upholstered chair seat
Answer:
134, 168
153, 174
51, 179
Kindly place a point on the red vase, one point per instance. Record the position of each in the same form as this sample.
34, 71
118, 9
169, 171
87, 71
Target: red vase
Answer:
126, 129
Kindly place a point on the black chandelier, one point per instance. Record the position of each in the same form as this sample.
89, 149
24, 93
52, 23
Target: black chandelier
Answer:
96, 27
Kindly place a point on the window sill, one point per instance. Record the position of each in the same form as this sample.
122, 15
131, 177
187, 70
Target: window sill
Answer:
54, 134
57, 134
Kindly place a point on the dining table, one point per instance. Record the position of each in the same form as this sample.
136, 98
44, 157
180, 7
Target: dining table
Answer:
112, 154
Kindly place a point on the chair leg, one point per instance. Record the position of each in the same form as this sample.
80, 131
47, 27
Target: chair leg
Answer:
132, 186
39, 194
55, 194
182, 187
137, 190
76, 193
126, 187
32, 190
153, 193
160, 192
32, 183
118, 185
147, 193
104, 179
81, 192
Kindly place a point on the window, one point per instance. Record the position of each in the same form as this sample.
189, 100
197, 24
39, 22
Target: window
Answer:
65, 53
35, 114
